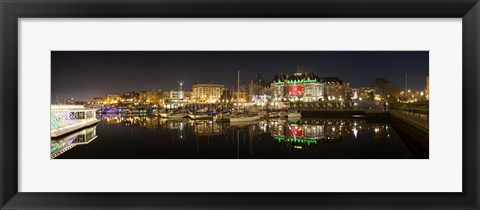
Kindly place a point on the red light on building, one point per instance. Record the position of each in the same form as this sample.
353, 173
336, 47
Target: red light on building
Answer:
296, 89
296, 131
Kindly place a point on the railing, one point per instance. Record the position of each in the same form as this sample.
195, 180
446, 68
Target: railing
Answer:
417, 117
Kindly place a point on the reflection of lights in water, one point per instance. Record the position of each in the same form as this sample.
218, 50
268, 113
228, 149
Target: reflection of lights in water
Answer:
333, 128
298, 147
377, 130
355, 131
181, 126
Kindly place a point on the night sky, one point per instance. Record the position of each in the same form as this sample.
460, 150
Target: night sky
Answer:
84, 75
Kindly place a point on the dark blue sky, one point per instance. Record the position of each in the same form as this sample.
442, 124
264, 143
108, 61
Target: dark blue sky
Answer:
87, 74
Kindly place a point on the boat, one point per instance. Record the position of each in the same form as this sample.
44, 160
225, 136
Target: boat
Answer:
273, 115
282, 114
295, 115
222, 117
106, 110
171, 114
65, 119
199, 116
265, 114
244, 118
176, 116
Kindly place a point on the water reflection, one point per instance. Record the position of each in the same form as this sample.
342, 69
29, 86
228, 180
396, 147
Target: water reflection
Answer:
63, 144
277, 138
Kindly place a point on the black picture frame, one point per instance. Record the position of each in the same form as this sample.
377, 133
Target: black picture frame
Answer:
11, 10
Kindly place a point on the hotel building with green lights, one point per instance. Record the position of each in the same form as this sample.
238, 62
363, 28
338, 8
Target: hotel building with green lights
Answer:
303, 87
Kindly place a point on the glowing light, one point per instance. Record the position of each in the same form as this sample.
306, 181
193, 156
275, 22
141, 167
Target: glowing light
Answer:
355, 131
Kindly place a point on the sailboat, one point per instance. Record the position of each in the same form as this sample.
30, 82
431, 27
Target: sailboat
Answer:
198, 116
242, 117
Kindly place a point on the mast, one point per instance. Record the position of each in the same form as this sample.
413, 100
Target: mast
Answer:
238, 85
406, 84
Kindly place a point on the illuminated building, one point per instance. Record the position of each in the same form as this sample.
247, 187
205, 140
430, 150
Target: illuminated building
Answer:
174, 95
305, 87
335, 89
181, 93
176, 98
151, 97
241, 95
207, 92
363, 94
112, 98
427, 88
188, 95
258, 87
129, 98
70, 101
97, 101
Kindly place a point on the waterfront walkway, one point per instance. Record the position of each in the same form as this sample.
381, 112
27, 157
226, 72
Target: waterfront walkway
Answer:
414, 117
417, 118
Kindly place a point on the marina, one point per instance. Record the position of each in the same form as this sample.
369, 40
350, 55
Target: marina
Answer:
241, 105
153, 137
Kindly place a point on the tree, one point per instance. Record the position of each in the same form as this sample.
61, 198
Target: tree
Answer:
371, 96
393, 91
381, 85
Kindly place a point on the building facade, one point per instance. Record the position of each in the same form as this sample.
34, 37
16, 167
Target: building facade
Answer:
112, 98
151, 97
303, 87
257, 89
335, 89
207, 92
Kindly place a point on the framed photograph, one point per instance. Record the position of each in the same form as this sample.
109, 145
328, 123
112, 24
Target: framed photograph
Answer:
227, 104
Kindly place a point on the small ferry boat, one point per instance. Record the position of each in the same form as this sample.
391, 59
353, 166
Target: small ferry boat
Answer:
68, 118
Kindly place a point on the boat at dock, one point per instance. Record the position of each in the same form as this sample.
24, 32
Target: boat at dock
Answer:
65, 119
282, 114
222, 117
176, 116
171, 114
199, 116
163, 114
294, 115
235, 119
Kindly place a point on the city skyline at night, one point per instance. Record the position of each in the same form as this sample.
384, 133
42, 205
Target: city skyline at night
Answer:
84, 75
240, 105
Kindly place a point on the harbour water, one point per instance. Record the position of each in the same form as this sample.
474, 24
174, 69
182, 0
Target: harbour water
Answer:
145, 137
